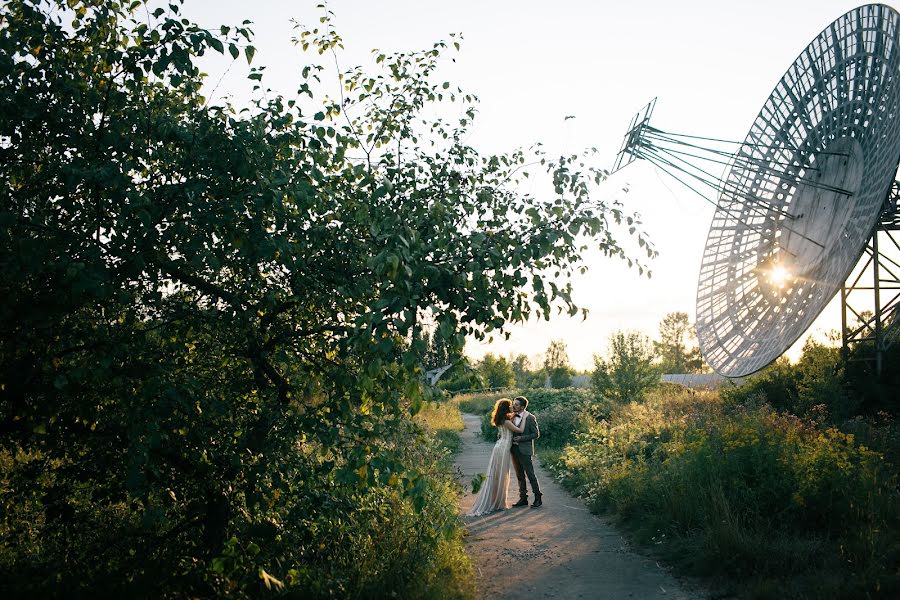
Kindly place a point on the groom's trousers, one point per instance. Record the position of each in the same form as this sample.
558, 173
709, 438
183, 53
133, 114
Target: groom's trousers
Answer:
524, 467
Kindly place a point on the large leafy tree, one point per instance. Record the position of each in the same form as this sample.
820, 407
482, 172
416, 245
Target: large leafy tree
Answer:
206, 334
495, 371
556, 364
628, 371
521, 368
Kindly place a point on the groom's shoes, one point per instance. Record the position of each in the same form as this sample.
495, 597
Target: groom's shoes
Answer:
537, 502
521, 502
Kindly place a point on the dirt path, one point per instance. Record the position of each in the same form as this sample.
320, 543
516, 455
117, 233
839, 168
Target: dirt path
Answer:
558, 551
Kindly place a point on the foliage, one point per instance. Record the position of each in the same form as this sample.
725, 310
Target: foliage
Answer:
522, 372
628, 372
541, 399
777, 505
560, 378
560, 413
462, 377
674, 356
444, 421
207, 350
815, 387
436, 350
556, 365
875, 393
495, 371
489, 431
560, 423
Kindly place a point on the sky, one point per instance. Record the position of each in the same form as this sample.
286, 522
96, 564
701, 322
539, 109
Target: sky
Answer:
711, 64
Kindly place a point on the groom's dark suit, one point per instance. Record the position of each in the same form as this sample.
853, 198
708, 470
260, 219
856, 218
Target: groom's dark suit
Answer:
522, 451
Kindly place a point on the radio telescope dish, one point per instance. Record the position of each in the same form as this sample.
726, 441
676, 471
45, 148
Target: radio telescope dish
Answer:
804, 191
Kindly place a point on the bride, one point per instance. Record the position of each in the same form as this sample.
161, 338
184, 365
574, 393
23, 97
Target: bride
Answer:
493, 492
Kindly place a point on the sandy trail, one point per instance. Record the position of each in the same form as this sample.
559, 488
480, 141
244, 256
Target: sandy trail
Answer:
559, 550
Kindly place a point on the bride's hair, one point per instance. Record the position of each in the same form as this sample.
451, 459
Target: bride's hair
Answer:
502, 410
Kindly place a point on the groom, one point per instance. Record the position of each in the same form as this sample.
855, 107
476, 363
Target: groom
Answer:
523, 449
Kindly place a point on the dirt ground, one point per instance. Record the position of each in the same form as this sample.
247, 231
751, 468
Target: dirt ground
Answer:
559, 550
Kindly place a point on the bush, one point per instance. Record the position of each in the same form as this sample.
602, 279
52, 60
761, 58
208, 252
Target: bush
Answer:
543, 398
561, 422
629, 371
816, 386
382, 536
876, 393
560, 377
745, 493
469, 380
496, 371
489, 433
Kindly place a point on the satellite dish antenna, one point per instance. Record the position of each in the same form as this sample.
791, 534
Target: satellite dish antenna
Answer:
803, 192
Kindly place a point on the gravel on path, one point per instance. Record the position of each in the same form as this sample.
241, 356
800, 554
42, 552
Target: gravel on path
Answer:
559, 550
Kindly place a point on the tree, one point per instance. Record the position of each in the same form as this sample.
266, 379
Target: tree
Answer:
674, 356
628, 371
435, 351
521, 368
207, 359
556, 364
495, 371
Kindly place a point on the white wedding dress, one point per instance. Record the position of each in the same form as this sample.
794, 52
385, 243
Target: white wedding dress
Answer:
492, 495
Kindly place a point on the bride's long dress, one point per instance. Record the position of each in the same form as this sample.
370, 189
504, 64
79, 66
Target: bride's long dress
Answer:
492, 495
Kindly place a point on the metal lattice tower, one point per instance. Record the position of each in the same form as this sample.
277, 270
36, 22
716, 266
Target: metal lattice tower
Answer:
870, 300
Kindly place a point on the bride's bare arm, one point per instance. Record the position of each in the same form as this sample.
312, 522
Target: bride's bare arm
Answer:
509, 425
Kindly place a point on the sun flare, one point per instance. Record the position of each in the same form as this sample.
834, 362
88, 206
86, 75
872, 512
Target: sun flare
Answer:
778, 276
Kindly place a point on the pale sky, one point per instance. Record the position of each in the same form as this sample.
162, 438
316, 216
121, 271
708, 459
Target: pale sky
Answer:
712, 64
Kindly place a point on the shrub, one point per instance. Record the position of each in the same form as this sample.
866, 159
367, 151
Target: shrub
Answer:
876, 393
489, 433
560, 377
468, 380
816, 386
746, 492
543, 398
382, 535
629, 372
560, 413
560, 423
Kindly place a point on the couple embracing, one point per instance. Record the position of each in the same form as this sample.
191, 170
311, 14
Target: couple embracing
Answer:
515, 445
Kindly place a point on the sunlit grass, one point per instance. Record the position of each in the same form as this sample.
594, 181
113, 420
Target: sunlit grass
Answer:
444, 420
479, 403
438, 416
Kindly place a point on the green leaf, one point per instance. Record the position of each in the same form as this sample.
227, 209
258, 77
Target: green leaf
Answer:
249, 52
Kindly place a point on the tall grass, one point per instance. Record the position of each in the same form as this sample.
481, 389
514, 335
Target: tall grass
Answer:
444, 421
479, 403
779, 506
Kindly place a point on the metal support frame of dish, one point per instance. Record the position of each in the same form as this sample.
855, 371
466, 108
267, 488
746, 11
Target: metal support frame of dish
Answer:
875, 285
